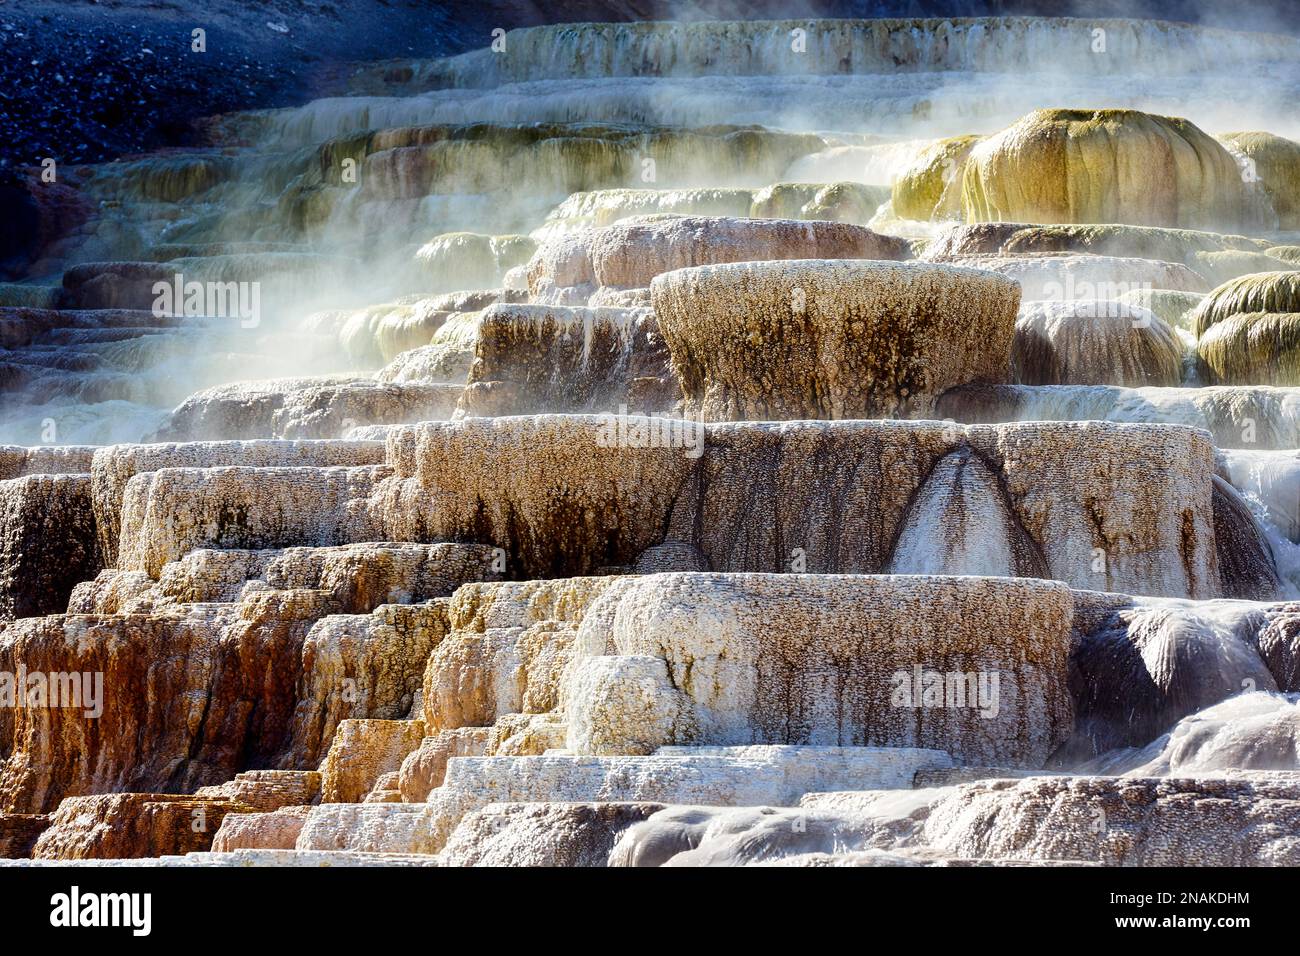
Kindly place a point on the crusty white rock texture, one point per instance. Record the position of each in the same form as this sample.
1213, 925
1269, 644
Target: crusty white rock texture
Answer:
115, 465
1116, 822
167, 513
831, 660
724, 776
545, 518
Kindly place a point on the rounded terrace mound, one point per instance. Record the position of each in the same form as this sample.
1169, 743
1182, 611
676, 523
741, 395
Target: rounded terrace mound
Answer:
1103, 166
1259, 292
832, 338
1259, 348
1094, 342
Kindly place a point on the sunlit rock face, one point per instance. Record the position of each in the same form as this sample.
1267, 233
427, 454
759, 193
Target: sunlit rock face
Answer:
757, 659
257, 655
1111, 239
1083, 166
573, 494
819, 442
831, 339
931, 187
304, 409
1275, 161
1250, 347
569, 268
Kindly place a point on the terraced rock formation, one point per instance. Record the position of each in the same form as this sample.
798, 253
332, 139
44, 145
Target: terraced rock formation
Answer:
653, 445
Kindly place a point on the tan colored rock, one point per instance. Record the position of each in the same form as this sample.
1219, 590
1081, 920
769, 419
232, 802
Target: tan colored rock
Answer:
19, 833
1276, 164
17, 461
931, 187
629, 255
425, 767
131, 825
305, 410
507, 648
1251, 348
1261, 292
362, 752
561, 495
831, 339
843, 201
273, 830
533, 358
363, 665
1107, 239
562, 262
387, 789
544, 488
193, 694
112, 592
268, 790
167, 513
1094, 342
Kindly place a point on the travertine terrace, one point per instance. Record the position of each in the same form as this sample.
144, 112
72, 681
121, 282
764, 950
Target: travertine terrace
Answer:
661, 444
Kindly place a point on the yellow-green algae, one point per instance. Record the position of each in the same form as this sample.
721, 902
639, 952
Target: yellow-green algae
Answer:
1103, 166
1252, 348
931, 187
1261, 292
1276, 162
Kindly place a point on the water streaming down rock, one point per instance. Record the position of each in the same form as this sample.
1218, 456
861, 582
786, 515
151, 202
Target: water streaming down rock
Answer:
1094, 342
960, 523
563, 504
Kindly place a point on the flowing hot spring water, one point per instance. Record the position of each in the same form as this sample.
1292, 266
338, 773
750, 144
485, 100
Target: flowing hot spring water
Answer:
706, 442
